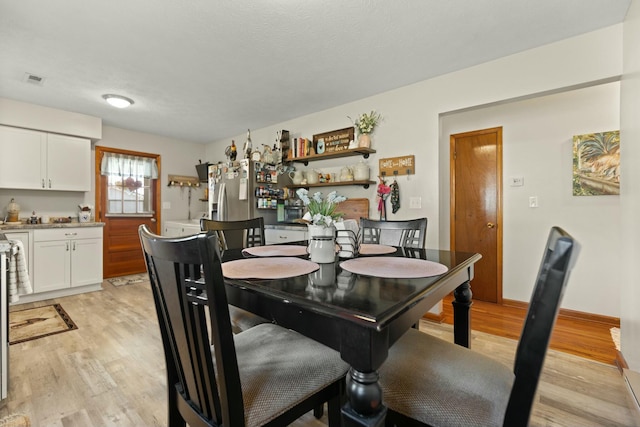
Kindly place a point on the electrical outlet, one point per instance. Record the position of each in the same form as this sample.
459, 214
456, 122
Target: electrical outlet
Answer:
415, 202
166, 205
533, 201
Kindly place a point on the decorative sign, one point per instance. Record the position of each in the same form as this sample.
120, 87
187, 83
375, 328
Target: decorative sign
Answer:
334, 141
394, 166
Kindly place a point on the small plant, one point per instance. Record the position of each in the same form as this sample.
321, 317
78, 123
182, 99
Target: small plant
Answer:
367, 122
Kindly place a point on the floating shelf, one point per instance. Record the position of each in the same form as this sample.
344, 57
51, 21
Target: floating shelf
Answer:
333, 155
365, 184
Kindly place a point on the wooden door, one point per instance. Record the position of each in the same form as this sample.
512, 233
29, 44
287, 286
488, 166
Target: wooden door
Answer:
476, 206
122, 253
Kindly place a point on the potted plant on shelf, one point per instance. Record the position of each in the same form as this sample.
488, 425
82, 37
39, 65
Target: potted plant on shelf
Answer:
365, 124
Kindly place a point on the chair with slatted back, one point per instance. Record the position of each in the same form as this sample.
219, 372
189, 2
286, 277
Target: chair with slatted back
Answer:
427, 381
249, 379
236, 234
409, 233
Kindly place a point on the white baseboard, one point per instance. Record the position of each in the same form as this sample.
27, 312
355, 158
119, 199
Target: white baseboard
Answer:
632, 378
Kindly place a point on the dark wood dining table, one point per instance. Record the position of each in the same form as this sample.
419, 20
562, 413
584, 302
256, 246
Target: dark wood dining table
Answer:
359, 315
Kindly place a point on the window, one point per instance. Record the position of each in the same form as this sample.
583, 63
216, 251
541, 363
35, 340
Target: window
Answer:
129, 183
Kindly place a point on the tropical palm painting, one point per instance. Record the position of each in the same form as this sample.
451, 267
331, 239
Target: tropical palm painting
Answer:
596, 164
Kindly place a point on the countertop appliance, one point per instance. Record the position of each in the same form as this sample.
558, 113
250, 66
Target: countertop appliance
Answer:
243, 189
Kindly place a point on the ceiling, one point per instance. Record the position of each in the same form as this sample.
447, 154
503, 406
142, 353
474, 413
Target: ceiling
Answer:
203, 70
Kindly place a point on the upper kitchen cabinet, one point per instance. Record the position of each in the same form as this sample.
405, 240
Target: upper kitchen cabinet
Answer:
35, 160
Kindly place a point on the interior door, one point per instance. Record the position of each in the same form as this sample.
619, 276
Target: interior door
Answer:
476, 206
122, 253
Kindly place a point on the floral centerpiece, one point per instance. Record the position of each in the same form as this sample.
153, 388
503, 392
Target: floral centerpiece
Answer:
365, 124
321, 212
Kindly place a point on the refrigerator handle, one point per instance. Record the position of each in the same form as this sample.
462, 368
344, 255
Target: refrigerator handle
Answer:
222, 202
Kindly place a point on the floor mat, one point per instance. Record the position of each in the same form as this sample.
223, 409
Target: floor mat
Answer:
33, 323
128, 280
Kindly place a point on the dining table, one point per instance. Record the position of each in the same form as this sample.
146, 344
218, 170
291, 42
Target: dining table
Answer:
359, 306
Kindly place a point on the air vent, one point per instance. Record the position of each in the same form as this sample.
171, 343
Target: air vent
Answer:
33, 79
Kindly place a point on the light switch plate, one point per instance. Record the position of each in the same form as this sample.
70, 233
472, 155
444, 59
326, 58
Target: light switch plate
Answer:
166, 205
415, 202
516, 181
533, 201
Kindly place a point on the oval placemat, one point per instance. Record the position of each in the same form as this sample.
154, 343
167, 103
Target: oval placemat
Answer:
276, 250
267, 268
392, 267
374, 249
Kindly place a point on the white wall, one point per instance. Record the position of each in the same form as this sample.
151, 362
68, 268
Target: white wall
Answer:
630, 189
537, 145
411, 123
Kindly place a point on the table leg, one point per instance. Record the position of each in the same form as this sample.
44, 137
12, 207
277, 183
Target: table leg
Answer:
461, 315
364, 400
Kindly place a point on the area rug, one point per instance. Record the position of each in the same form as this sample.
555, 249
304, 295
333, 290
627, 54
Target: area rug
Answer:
33, 323
128, 280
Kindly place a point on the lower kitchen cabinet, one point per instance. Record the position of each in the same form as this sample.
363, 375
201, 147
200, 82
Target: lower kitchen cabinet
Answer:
274, 236
179, 229
66, 258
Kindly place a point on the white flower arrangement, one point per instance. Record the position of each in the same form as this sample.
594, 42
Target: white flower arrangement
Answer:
321, 211
367, 122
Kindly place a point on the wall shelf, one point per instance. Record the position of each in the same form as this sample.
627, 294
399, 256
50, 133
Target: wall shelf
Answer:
333, 155
365, 184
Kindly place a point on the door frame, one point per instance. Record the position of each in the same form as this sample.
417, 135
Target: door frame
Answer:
157, 203
499, 208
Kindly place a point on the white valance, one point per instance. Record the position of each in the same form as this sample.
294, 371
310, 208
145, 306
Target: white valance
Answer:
126, 165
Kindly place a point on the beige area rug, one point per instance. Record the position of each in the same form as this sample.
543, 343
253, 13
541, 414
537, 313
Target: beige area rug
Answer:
129, 280
33, 323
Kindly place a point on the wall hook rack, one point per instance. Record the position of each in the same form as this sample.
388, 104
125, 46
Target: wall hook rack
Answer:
183, 181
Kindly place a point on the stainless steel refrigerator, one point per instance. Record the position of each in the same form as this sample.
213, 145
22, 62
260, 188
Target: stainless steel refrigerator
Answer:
243, 189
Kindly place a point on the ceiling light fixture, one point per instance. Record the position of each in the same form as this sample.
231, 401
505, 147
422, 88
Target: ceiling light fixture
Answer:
118, 101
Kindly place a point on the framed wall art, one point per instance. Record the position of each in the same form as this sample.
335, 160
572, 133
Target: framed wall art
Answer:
596, 164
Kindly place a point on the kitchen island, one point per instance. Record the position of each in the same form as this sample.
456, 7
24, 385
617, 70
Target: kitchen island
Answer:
62, 258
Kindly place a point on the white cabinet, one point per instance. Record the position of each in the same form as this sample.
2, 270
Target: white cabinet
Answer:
44, 161
179, 229
274, 236
66, 258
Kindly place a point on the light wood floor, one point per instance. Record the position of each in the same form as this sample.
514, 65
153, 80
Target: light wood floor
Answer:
110, 371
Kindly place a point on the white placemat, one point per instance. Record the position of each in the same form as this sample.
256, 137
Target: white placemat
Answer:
276, 250
374, 249
393, 267
267, 268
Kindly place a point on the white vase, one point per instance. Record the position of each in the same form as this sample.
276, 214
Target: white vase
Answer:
319, 230
322, 243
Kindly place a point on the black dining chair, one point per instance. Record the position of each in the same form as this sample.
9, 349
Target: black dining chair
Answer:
427, 381
409, 233
248, 379
238, 235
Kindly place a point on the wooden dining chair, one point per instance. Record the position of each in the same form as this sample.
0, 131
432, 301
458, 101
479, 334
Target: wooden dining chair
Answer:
427, 381
409, 233
236, 234
248, 379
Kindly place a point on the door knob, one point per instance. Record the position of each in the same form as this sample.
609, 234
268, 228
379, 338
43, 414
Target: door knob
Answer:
491, 225
153, 220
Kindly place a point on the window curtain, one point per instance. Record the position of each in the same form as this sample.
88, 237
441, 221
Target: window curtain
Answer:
114, 164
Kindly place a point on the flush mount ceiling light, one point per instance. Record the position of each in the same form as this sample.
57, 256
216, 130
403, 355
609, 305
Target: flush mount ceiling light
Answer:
118, 101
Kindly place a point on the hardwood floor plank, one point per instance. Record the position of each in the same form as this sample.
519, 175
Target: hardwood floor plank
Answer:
110, 371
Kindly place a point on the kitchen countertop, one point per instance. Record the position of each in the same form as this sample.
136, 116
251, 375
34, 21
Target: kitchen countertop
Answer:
50, 225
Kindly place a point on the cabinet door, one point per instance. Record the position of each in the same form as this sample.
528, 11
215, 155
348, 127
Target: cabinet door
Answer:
86, 262
51, 265
25, 238
22, 162
274, 236
68, 163
172, 230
